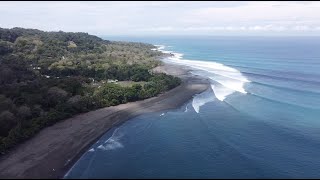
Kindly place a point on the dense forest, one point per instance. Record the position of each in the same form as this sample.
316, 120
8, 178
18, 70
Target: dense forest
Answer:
46, 77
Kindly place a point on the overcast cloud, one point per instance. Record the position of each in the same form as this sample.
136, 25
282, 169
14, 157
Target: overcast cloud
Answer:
156, 18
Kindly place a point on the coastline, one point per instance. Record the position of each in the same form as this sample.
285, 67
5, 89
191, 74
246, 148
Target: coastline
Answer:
54, 150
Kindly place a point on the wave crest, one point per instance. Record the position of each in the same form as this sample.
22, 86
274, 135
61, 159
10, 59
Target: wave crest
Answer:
201, 99
230, 80
112, 142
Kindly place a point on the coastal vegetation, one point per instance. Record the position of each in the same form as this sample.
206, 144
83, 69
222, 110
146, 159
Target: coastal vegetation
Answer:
46, 77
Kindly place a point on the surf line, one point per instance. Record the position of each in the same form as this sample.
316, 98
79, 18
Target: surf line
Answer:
225, 80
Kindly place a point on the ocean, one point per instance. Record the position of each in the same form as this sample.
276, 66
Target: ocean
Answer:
259, 119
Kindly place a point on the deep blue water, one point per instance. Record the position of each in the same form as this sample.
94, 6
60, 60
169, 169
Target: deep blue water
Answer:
260, 119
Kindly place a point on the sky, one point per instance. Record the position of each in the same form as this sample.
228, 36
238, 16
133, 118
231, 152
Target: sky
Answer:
166, 17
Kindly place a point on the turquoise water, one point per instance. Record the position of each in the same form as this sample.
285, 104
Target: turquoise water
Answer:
260, 119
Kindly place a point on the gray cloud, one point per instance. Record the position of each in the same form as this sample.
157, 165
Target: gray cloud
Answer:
159, 17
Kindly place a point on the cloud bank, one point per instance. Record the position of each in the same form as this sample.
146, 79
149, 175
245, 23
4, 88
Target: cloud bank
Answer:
144, 18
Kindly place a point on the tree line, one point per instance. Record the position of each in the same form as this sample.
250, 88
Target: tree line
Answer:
46, 77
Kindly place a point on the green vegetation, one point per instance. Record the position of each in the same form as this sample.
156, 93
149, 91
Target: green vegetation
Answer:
49, 76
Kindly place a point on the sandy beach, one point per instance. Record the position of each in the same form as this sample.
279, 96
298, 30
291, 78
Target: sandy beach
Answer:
53, 151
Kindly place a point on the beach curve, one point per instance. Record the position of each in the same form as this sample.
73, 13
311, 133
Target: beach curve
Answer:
54, 150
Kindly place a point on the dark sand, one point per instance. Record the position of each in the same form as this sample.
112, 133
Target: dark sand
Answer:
53, 151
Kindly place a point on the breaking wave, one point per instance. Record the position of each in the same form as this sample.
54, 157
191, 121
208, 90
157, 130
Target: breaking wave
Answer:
113, 142
225, 80
202, 99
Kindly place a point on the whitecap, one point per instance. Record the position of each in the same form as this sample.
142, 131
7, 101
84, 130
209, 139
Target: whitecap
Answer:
230, 79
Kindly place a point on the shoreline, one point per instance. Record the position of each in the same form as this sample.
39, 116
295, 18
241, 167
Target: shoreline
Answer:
54, 150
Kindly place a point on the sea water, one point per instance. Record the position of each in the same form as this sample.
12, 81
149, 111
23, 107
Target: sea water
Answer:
259, 119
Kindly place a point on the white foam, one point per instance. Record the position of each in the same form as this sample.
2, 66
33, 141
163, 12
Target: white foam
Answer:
162, 114
160, 47
91, 150
221, 92
176, 56
201, 99
231, 79
113, 142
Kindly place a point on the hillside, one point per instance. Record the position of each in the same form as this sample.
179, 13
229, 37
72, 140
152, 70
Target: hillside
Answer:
49, 76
